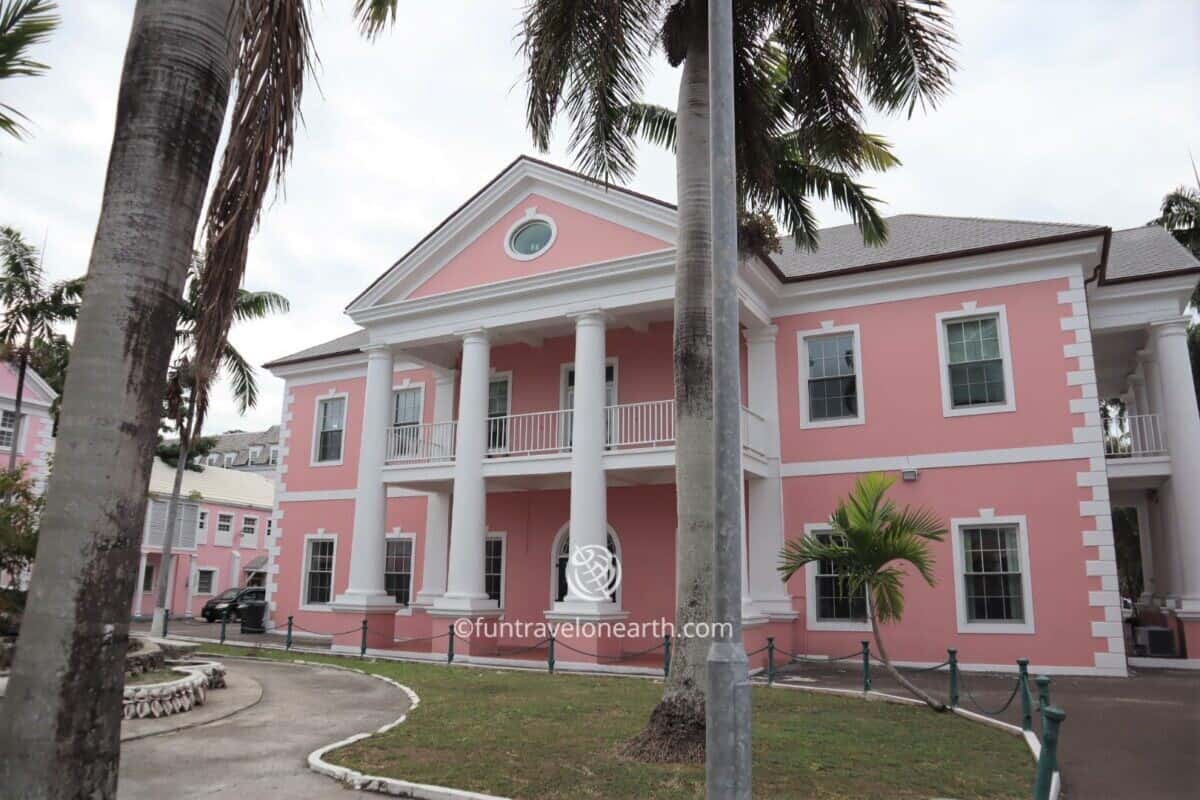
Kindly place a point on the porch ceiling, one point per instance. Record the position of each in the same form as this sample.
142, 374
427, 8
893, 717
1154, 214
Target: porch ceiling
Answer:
1116, 357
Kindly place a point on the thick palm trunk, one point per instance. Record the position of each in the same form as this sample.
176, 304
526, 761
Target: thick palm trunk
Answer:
895, 673
166, 568
22, 368
60, 725
676, 728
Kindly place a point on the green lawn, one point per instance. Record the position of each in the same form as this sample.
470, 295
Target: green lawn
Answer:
532, 735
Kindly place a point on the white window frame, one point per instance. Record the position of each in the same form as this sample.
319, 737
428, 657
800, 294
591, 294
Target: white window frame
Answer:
569, 366
148, 577
397, 535
202, 527
316, 431
255, 454
304, 605
813, 622
18, 431
228, 459
531, 215
802, 357
507, 377
217, 532
969, 311
242, 531
503, 537
273, 456
986, 519
214, 459
270, 526
215, 589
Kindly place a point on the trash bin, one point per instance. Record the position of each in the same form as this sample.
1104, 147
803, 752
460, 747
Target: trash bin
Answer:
253, 612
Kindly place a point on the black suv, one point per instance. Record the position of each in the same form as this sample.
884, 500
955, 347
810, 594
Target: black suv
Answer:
231, 602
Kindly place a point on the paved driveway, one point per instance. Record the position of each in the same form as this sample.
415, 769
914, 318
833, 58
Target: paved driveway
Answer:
261, 752
1135, 738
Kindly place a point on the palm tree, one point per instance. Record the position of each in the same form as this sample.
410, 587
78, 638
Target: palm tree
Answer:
60, 730
589, 60
186, 399
23, 24
31, 310
869, 535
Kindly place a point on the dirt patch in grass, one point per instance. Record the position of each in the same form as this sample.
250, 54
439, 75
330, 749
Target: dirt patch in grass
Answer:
560, 737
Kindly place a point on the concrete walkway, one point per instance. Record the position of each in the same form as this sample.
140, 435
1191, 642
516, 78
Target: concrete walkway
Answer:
1123, 738
260, 752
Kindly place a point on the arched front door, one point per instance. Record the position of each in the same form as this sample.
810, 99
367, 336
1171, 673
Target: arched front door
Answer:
564, 552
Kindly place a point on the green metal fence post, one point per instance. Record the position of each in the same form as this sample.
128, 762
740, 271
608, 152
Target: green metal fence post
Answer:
666, 655
1026, 698
450, 647
1043, 684
166, 620
1048, 760
866, 659
770, 660
550, 655
952, 657
362, 648
288, 642
224, 620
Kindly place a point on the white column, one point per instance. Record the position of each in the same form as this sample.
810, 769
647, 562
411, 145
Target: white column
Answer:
465, 590
1182, 425
589, 490
1141, 403
437, 505
364, 590
1168, 574
141, 581
765, 495
1146, 551
191, 583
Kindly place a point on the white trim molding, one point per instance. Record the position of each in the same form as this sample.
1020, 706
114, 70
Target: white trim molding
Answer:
988, 519
502, 537
810, 593
967, 312
397, 535
802, 355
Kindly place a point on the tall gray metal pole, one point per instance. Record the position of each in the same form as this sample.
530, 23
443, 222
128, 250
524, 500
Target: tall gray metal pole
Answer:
728, 707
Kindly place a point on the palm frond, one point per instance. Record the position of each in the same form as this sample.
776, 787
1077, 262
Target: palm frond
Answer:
241, 377
259, 305
794, 182
655, 124
909, 59
23, 24
374, 15
275, 55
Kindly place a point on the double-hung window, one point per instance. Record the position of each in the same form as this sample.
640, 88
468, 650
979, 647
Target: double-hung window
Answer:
273, 458
398, 569
205, 579
331, 425
318, 578
224, 534
148, 579
975, 361
8, 429
835, 600
992, 574
832, 377
406, 420
493, 569
498, 408
568, 395
249, 532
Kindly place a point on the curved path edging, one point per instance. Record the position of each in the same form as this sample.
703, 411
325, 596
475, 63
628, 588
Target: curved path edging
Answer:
375, 783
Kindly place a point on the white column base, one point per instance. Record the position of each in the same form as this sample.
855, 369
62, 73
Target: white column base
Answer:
777, 608
453, 605
752, 614
585, 610
364, 602
426, 599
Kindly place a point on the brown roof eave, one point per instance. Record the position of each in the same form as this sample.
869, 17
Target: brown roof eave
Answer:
284, 362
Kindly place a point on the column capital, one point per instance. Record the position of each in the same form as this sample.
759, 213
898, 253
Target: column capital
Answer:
764, 335
445, 376
474, 335
590, 316
1144, 355
378, 350
1176, 326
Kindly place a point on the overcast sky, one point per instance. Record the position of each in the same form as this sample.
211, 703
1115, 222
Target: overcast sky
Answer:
1062, 111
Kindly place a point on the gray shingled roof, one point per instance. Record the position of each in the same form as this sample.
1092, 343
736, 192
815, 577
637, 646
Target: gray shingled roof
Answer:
1144, 252
913, 237
241, 443
349, 343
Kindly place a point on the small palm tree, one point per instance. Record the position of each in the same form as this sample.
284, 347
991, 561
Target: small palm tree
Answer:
870, 536
23, 24
186, 398
31, 310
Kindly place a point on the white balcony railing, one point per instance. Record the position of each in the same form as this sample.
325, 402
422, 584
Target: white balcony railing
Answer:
649, 424
431, 442
1136, 435
628, 426
754, 433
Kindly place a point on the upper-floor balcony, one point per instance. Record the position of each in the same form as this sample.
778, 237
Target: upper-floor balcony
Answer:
636, 435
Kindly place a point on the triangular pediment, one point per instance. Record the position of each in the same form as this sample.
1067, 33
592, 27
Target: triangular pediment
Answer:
590, 224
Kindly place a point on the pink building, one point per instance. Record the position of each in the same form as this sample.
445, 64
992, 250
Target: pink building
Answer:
35, 439
443, 461
222, 535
